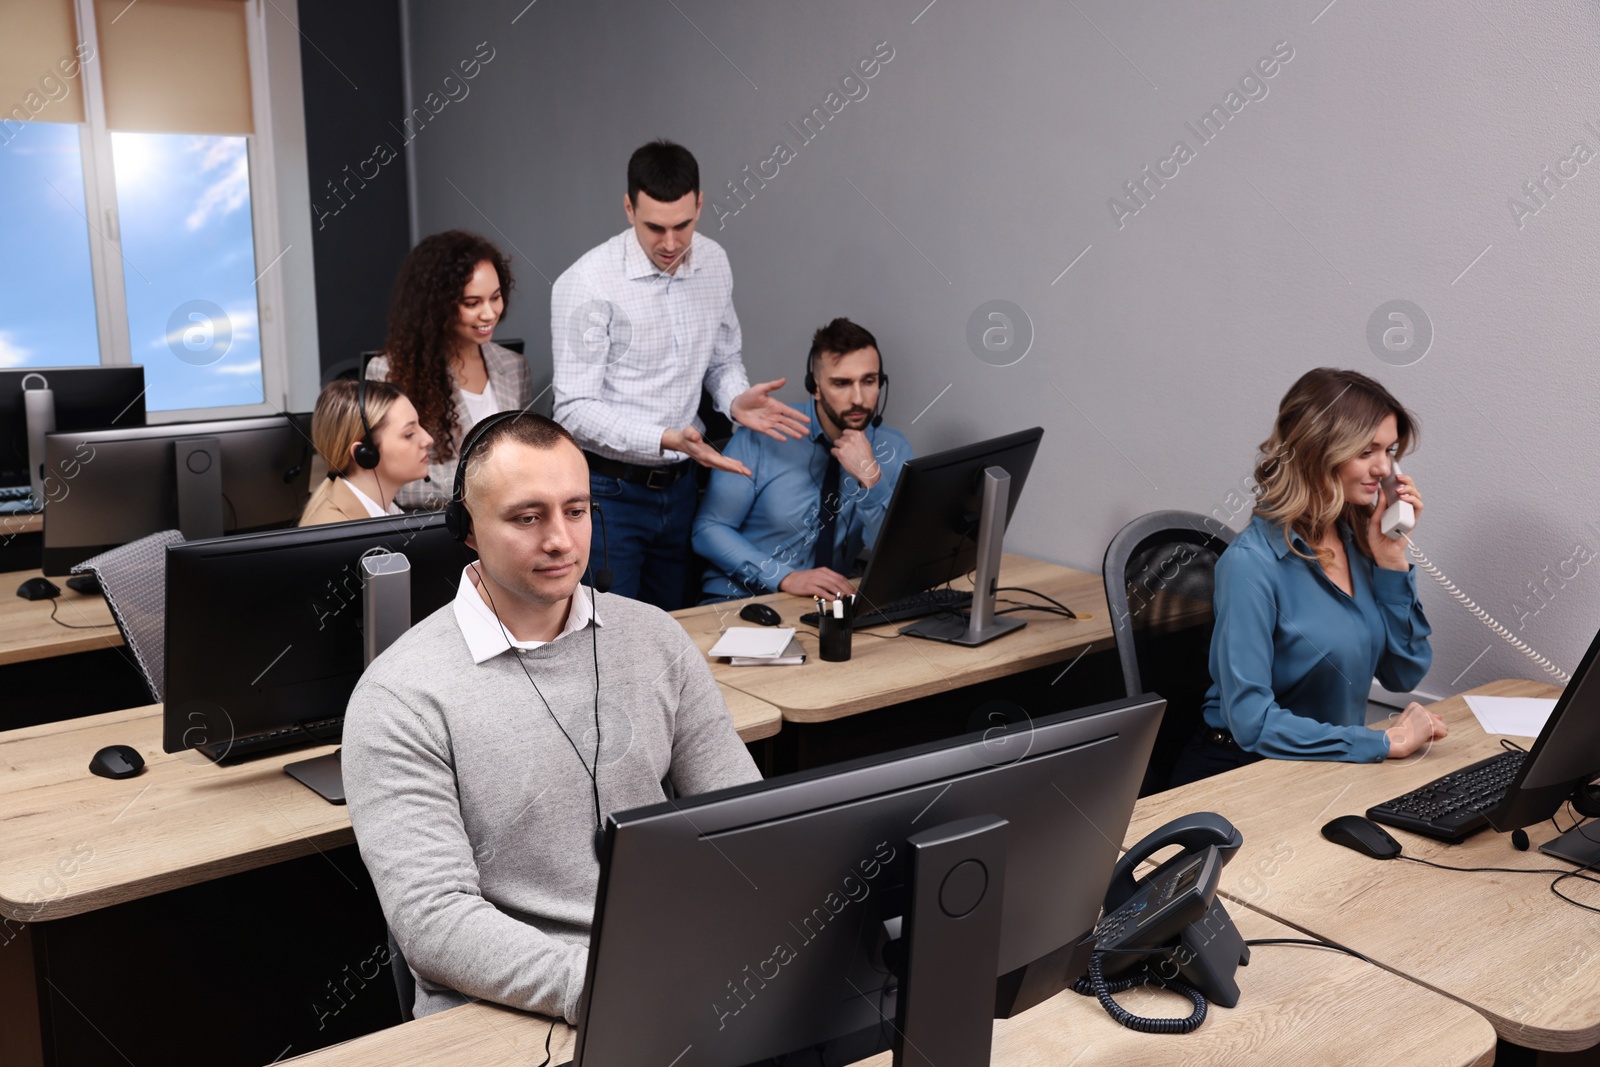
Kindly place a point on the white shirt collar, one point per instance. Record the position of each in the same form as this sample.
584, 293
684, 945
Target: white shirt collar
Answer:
638, 264
373, 510
485, 636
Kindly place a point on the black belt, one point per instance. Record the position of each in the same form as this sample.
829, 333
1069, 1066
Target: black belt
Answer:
649, 477
1219, 737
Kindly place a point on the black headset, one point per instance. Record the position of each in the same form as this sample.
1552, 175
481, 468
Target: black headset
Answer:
366, 451
883, 387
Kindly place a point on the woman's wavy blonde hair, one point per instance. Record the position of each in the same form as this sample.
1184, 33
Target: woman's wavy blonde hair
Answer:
1326, 419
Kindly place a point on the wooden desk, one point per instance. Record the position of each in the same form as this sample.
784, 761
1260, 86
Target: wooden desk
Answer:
12, 524
183, 821
1299, 1005
882, 672
27, 633
1501, 943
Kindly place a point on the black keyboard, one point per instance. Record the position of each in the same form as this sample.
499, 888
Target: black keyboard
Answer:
1453, 806
18, 500
915, 606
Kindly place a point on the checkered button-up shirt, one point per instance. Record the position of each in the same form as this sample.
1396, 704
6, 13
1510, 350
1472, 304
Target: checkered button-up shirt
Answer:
632, 345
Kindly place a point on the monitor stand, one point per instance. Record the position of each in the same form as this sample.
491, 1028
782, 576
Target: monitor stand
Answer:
982, 624
945, 1010
39, 410
1575, 846
385, 615
199, 469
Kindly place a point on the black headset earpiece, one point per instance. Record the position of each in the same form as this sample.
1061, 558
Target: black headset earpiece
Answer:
457, 519
600, 580
366, 452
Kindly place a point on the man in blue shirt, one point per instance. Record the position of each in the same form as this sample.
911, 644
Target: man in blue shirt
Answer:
803, 515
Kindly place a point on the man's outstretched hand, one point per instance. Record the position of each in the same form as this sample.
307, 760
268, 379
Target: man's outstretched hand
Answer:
758, 409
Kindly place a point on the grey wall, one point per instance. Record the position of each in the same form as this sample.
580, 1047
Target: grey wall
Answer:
1378, 166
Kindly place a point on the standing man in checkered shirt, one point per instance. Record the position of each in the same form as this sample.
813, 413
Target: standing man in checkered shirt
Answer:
637, 325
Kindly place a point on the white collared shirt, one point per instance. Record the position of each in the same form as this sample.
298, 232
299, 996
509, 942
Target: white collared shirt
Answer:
373, 510
632, 345
485, 636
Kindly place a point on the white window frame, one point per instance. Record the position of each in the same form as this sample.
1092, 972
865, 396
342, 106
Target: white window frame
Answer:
105, 240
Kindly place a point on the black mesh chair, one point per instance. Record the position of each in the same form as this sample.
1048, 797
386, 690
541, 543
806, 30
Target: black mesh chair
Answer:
405, 983
1159, 573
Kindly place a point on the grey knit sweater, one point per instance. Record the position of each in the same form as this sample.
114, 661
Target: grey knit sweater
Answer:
472, 812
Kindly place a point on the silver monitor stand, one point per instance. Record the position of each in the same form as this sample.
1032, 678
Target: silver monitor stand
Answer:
385, 615
982, 624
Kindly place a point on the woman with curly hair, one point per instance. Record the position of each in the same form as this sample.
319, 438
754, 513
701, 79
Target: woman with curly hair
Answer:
452, 290
1312, 599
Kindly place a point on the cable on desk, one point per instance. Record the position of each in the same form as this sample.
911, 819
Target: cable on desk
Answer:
1065, 613
548, 1034
56, 604
1315, 942
1034, 592
1561, 875
1094, 984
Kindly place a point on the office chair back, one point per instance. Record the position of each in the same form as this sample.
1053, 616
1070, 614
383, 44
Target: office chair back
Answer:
1160, 572
405, 983
133, 578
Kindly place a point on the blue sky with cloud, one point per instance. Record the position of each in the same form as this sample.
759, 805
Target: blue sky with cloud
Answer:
184, 203
184, 206
47, 316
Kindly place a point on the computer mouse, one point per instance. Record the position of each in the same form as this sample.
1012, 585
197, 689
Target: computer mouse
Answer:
38, 589
1362, 835
760, 614
117, 761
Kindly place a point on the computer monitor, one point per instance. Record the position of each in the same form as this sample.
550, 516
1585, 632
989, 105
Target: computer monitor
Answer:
204, 478
1560, 767
751, 922
65, 399
264, 632
948, 515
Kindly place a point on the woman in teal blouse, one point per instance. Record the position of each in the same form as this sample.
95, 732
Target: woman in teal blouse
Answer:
1312, 600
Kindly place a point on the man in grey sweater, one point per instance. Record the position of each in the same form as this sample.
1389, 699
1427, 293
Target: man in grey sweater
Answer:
482, 747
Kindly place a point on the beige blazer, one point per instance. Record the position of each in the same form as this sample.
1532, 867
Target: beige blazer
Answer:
340, 505
513, 388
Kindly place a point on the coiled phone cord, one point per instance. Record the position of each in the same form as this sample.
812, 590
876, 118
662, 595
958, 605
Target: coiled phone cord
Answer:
1483, 616
1094, 984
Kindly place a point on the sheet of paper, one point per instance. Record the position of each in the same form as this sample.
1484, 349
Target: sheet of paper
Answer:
1516, 716
762, 642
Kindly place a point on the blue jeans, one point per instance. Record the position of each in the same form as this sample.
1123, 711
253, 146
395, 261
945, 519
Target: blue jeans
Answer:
646, 534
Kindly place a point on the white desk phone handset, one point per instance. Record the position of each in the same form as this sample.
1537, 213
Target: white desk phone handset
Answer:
1399, 517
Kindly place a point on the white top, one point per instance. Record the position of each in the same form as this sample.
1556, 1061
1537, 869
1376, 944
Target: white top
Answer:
632, 345
479, 405
486, 638
373, 510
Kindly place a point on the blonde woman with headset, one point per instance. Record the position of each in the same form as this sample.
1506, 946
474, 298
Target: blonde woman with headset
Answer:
369, 434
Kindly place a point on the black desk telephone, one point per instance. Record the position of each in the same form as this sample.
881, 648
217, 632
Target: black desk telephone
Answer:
1169, 928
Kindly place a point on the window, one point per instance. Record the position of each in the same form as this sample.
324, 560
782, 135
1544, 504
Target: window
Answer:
129, 214
47, 312
189, 267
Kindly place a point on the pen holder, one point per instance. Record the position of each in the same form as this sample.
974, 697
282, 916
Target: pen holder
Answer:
833, 635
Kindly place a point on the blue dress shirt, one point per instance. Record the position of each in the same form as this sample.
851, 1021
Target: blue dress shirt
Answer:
756, 531
1293, 656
